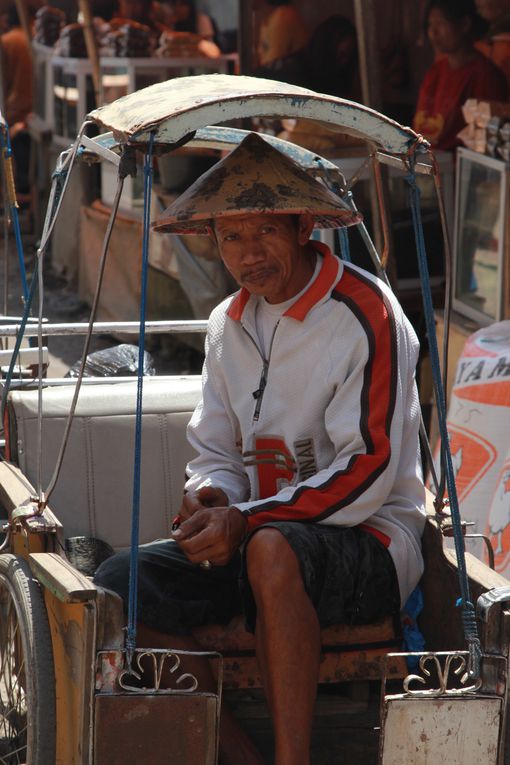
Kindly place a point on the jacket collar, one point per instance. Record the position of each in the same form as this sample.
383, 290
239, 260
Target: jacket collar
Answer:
319, 289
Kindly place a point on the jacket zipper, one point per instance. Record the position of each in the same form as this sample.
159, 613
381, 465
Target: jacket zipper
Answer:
259, 393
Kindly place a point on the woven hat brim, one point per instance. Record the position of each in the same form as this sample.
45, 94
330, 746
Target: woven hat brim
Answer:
203, 226
255, 178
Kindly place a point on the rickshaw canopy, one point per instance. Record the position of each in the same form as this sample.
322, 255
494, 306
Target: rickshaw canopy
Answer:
175, 109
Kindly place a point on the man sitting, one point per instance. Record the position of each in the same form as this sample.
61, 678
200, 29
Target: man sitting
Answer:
304, 505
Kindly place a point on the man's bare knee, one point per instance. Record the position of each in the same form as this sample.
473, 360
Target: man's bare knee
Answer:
269, 550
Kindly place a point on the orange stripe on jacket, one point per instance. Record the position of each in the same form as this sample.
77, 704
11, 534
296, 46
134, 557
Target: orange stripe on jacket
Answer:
375, 314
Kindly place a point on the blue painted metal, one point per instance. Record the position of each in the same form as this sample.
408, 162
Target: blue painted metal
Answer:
227, 138
468, 611
5, 147
135, 522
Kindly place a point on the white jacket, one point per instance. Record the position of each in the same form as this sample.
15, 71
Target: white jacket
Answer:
326, 429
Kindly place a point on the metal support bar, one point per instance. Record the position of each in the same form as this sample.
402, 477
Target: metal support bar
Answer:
107, 327
421, 168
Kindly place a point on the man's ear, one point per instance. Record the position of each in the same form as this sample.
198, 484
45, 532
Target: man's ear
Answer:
305, 227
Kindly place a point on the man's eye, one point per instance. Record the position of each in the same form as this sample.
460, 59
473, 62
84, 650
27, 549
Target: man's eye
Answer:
268, 229
229, 237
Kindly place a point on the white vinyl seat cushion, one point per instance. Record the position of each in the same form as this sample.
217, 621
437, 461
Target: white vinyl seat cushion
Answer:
94, 493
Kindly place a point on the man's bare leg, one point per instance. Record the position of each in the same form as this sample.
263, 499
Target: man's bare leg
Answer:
236, 747
288, 643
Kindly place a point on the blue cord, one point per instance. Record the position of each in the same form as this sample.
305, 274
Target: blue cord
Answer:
343, 238
135, 527
29, 297
17, 344
468, 611
5, 144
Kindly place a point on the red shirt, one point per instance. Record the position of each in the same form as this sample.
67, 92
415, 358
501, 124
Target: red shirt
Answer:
444, 90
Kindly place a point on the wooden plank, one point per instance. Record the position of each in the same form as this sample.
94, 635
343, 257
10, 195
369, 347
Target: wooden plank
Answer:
16, 490
369, 664
92, 52
73, 627
232, 637
481, 577
61, 579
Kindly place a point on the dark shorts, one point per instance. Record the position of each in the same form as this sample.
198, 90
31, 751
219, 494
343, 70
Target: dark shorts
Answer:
347, 572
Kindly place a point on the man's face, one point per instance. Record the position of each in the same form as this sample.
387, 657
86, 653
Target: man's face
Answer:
266, 253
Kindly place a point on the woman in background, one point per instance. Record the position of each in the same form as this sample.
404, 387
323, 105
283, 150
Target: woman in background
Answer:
460, 72
496, 43
282, 33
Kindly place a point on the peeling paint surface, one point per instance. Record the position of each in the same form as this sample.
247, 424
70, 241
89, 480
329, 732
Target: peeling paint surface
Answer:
441, 731
176, 108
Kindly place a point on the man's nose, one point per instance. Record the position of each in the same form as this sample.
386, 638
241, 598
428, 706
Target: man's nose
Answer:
252, 250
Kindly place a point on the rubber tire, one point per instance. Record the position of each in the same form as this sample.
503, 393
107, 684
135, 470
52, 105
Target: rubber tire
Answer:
23, 592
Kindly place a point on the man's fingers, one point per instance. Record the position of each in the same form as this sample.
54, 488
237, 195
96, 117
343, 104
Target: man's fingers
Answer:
211, 533
189, 506
211, 496
207, 496
189, 527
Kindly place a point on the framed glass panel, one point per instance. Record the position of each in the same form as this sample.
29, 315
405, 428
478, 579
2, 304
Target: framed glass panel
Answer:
479, 236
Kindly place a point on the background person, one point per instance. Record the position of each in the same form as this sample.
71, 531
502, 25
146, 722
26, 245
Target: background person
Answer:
327, 64
306, 494
282, 32
218, 20
459, 73
496, 43
17, 86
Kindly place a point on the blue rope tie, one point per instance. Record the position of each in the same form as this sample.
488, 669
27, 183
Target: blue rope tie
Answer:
17, 344
468, 611
343, 238
5, 143
135, 525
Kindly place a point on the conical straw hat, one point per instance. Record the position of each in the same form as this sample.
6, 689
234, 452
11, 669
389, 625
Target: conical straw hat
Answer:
254, 178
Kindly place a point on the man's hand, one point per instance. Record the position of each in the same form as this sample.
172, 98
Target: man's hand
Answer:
207, 496
212, 534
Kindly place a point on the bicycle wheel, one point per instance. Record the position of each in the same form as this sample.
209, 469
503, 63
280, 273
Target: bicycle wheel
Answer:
27, 678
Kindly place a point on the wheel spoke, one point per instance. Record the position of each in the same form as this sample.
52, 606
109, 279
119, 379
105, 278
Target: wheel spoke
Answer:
13, 711
27, 680
14, 755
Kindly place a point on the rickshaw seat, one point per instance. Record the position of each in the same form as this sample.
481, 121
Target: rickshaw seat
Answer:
93, 495
93, 498
348, 652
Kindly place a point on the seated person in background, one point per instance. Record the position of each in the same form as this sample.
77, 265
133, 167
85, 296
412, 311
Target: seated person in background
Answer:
183, 16
496, 43
327, 64
304, 504
281, 33
459, 73
217, 20
142, 12
17, 83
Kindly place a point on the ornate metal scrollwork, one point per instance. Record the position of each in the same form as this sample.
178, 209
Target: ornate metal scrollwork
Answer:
454, 663
185, 682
